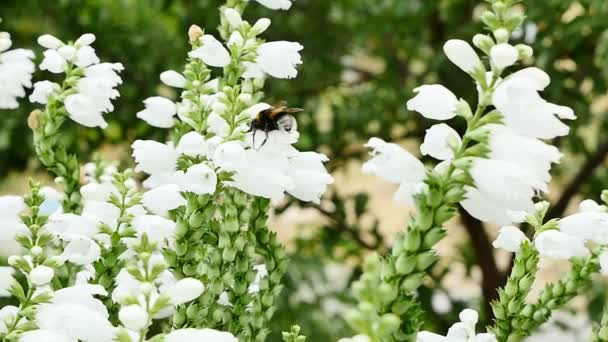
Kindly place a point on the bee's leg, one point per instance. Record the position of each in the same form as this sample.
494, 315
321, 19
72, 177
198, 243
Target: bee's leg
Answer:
253, 143
265, 138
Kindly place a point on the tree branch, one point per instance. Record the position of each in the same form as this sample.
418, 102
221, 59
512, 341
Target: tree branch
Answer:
573, 188
492, 279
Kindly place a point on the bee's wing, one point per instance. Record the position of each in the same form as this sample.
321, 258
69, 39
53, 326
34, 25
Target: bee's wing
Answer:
286, 123
293, 110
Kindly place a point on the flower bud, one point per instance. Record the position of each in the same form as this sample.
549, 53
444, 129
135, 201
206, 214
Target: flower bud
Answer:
525, 51
85, 40
504, 55
133, 317
185, 290
462, 55
173, 79
501, 35
36, 250
260, 26
41, 275
233, 17
32, 120
195, 32
483, 42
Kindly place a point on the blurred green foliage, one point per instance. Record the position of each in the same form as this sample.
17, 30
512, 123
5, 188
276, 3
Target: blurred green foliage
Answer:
362, 60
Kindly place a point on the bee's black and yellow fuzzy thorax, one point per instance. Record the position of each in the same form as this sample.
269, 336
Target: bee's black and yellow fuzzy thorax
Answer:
273, 119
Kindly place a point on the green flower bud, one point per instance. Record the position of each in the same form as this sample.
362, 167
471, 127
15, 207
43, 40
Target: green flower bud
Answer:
525, 51
405, 264
483, 42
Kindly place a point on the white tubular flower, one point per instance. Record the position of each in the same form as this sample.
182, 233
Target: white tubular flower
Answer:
157, 228
531, 154
16, 68
276, 4
68, 226
504, 55
233, 17
10, 207
260, 26
217, 125
76, 314
199, 179
604, 262
440, 141
309, 176
45, 335
85, 56
102, 212
279, 59
589, 226
559, 245
185, 291
133, 317
525, 111
502, 188
395, 165
589, 205
462, 331
462, 55
53, 62
153, 157
42, 91
434, 102
197, 335
41, 275
163, 198
159, 112
95, 192
81, 251
212, 52
510, 239
6, 281
173, 79
48, 41
85, 40
192, 144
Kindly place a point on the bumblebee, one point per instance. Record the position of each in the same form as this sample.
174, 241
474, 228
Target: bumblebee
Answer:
276, 118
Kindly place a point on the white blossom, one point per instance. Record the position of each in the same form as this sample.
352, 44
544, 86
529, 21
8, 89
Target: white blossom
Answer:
6, 281
276, 4
279, 59
440, 141
309, 176
163, 198
159, 112
81, 251
45, 335
42, 91
48, 41
173, 79
510, 239
463, 331
504, 55
434, 102
10, 208
199, 179
41, 275
95, 192
589, 205
185, 291
233, 17
260, 26
157, 228
212, 52
525, 111
153, 157
85, 40
53, 62
590, 226
559, 245
462, 55
192, 144
66, 226
197, 335
395, 165
16, 68
133, 317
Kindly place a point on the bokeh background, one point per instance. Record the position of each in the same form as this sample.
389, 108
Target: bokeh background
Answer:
362, 60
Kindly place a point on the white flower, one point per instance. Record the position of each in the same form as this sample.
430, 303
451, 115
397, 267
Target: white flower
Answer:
85, 56
80, 109
10, 207
159, 112
463, 331
531, 154
502, 188
309, 176
589, 205
16, 68
81, 251
45, 335
68, 226
279, 59
153, 157
356, 338
42, 91
173, 79
95, 192
192, 144
133, 317
212, 52
185, 291
85, 40
157, 228
395, 165
163, 198
276, 4
260, 26
590, 226
48, 41
217, 125
102, 212
559, 245
504, 55
41, 275
199, 179
198, 335
440, 141
434, 102
510, 239
53, 62
525, 111
6, 281
233, 17
462, 55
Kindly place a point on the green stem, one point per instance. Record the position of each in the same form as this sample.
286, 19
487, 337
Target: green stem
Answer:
600, 330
